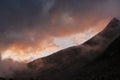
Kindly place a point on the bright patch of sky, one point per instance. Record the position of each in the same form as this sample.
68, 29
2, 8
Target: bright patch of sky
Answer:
74, 40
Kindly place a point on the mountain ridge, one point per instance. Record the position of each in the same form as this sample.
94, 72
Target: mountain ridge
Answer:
80, 62
94, 40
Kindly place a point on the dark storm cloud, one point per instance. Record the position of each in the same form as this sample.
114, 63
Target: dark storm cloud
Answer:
22, 19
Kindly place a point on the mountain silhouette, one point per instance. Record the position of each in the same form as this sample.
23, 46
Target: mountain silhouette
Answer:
96, 59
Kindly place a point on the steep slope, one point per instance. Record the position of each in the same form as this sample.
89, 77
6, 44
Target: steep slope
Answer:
104, 67
80, 62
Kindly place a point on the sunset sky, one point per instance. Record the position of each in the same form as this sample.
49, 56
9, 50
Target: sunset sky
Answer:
30, 29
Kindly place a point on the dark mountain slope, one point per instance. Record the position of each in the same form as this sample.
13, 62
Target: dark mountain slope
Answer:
105, 67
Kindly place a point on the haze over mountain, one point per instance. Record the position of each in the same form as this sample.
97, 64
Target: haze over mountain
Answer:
97, 58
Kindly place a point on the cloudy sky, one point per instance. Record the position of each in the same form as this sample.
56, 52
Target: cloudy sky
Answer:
30, 29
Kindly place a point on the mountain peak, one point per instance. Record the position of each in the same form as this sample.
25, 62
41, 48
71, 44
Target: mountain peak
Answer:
113, 22
87, 50
71, 61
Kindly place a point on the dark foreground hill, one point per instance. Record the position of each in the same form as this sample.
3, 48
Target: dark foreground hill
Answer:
96, 59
